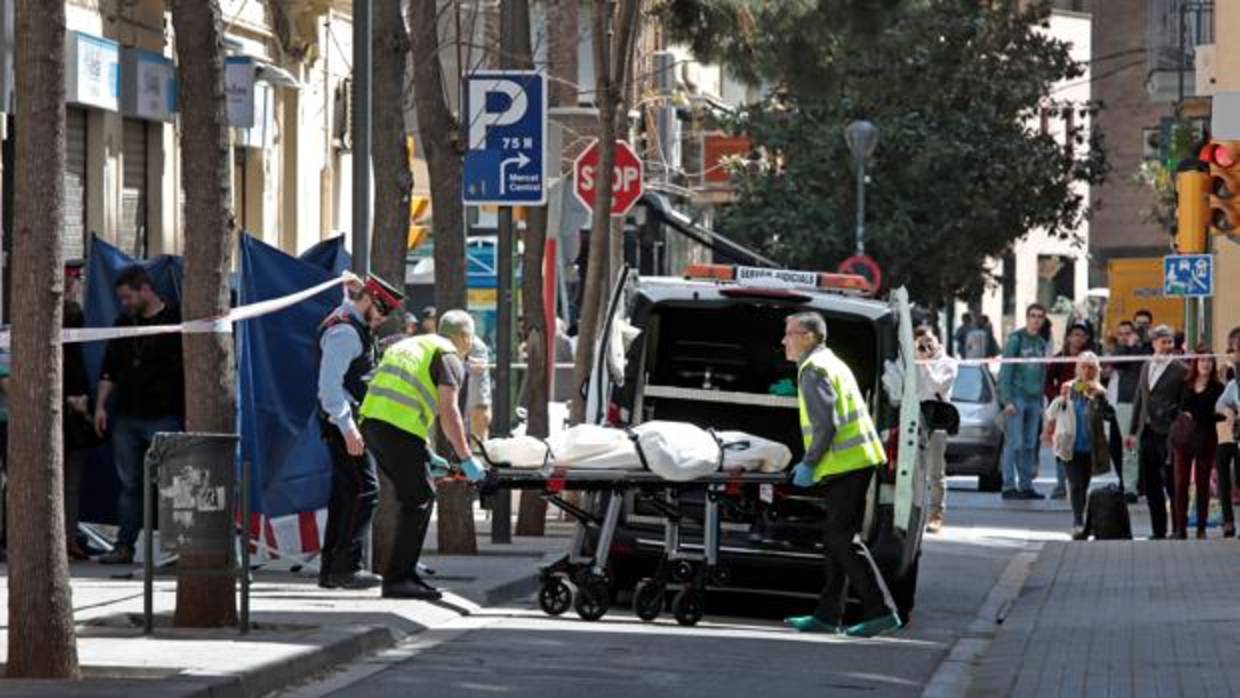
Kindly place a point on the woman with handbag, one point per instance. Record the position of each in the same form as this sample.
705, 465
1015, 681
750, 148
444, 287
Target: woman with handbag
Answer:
1194, 442
1076, 429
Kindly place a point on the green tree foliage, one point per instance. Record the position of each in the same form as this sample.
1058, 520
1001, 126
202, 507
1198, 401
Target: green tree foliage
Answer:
956, 87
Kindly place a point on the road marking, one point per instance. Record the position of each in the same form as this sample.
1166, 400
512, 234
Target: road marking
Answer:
954, 675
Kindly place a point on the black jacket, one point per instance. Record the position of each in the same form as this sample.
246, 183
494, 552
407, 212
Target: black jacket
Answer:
1156, 406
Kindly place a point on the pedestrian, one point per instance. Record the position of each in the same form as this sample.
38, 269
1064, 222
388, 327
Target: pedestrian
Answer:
1076, 342
980, 342
478, 390
960, 337
78, 434
429, 324
1122, 392
1156, 406
144, 377
1020, 393
1076, 423
1228, 461
347, 357
842, 452
1194, 459
417, 379
936, 374
1143, 321
411, 324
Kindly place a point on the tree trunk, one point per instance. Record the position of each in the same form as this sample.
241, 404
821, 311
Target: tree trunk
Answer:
41, 639
607, 99
393, 178
439, 134
209, 242
563, 42
532, 512
456, 506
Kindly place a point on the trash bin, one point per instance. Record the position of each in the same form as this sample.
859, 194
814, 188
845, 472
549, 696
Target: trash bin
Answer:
196, 506
197, 478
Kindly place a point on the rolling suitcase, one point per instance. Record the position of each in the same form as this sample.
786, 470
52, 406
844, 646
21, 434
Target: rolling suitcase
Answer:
1106, 516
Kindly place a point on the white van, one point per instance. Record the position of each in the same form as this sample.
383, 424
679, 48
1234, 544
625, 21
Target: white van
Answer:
705, 348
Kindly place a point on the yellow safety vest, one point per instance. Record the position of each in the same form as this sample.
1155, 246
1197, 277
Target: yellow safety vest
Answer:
856, 444
402, 392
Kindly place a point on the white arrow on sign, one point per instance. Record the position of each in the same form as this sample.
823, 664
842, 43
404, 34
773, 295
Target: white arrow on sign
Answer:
521, 159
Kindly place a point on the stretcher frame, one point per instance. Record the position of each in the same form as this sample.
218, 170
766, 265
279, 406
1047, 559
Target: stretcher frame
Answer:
690, 572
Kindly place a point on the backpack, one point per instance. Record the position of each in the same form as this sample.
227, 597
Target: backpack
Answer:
1106, 517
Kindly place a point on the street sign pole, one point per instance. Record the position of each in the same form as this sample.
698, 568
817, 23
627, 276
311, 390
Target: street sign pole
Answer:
505, 166
501, 507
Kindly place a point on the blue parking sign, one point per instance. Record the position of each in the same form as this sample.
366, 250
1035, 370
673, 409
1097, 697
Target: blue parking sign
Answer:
505, 114
1188, 276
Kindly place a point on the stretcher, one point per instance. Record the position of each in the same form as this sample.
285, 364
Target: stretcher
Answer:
580, 579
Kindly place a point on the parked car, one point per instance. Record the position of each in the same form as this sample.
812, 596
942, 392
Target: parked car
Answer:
706, 349
977, 448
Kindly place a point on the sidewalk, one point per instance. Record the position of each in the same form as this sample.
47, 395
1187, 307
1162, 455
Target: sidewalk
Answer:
299, 629
1121, 618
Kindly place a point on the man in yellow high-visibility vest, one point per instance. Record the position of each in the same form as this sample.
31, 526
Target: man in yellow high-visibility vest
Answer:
417, 380
842, 451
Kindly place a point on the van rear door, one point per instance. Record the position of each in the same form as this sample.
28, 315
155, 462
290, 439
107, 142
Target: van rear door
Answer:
602, 374
910, 492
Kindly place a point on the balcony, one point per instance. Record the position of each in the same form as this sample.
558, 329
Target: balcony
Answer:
1174, 29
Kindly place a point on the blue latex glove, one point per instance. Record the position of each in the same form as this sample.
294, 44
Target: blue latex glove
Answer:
439, 466
803, 475
474, 472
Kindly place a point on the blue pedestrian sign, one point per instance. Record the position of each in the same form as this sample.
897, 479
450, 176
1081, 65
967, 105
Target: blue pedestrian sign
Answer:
506, 125
1188, 276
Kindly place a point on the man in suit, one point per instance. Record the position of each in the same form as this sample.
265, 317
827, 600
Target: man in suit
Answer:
1157, 403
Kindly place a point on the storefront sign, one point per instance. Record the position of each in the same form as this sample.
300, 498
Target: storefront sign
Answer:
239, 72
148, 85
92, 71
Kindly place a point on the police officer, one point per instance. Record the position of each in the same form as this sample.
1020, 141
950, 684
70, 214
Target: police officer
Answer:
842, 450
346, 362
418, 379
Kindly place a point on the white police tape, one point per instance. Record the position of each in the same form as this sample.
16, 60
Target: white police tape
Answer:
1142, 358
220, 325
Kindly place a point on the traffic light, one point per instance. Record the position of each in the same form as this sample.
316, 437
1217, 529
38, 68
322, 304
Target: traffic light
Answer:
1224, 186
1192, 211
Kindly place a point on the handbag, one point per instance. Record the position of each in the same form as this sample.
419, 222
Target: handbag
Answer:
1183, 432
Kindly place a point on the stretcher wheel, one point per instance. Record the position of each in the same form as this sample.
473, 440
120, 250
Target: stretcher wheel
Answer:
688, 607
592, 601
648, 599
682, 571
555, 597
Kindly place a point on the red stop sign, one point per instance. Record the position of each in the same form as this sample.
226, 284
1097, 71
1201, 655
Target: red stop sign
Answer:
626, 177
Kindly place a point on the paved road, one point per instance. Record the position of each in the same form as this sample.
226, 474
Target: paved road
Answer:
516, 651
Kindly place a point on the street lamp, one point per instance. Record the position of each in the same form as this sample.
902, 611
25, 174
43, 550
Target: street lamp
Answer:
862, 138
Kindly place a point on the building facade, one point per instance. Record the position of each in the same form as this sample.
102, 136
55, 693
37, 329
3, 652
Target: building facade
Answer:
288, 69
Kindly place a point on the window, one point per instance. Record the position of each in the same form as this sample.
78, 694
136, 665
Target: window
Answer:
971, 385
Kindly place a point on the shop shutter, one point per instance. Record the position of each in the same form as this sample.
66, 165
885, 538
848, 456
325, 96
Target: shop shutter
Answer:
131, 235
73, 236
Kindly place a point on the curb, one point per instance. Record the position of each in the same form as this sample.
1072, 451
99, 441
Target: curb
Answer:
959, 672
998, 668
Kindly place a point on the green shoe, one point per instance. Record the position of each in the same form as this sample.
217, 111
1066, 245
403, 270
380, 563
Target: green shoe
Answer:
810, 624
875, 626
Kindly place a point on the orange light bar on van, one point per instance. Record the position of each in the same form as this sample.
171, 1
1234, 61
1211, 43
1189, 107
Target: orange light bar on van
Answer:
848, 283
844, 282
718, 272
